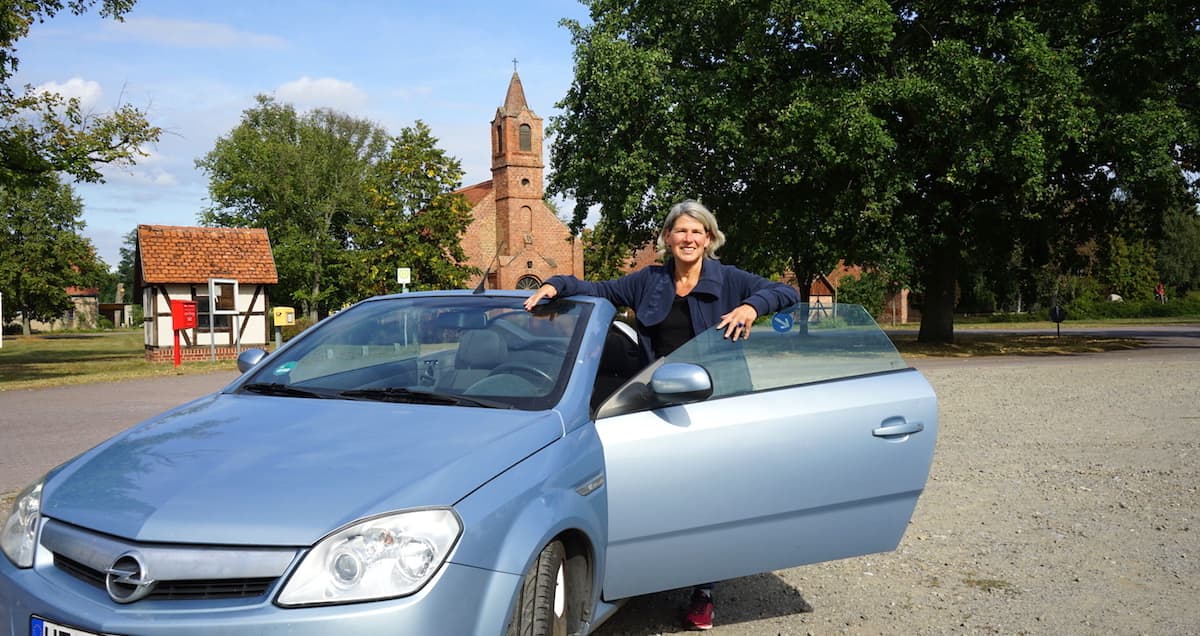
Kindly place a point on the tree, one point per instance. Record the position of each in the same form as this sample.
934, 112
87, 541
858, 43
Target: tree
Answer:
42, 252
125, 269
868, 289
914, 132
43, 133
760, 119
124, 274
344, 203
304, 179
1126, 268
1179, 250
603, 256
416, 220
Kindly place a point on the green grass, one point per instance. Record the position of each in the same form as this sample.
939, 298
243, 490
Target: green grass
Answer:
56, 359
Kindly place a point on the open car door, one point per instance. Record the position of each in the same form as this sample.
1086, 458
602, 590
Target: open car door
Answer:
814, 443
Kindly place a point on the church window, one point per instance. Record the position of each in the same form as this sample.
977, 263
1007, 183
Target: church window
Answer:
529, 282
499, 139
526, 138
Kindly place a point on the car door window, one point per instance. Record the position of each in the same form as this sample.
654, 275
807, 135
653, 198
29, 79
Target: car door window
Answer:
794, 347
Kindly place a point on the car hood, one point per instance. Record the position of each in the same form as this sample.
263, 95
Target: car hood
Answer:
236, 469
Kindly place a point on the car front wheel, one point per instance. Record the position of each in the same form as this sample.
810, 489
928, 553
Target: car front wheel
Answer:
541, 608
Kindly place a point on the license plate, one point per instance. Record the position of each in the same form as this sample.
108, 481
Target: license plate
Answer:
43, 627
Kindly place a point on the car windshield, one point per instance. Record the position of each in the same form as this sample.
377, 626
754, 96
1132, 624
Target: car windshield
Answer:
479, 351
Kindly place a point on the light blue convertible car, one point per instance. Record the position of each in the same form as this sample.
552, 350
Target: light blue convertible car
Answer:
448, 463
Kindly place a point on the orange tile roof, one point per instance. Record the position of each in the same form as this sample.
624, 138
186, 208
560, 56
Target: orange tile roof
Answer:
475, 193
172, 254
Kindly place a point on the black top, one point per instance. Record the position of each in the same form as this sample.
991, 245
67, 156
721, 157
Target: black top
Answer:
674, 330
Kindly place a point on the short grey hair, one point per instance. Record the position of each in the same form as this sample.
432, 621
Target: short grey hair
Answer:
696, 210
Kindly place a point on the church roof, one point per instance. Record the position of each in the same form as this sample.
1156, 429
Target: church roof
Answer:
173, 254
475, 193
514, 101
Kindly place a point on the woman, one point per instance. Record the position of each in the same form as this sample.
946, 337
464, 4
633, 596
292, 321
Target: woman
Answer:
675, 301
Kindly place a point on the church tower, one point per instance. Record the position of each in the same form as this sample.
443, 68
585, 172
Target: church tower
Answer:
515, 238
517, 170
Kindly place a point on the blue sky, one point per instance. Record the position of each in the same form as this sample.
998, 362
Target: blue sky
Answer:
196, 66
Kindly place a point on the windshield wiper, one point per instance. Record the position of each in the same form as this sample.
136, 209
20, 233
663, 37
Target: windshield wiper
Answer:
275, 388
401, 394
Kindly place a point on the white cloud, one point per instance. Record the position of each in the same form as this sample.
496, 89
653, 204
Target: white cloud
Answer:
142, 175
193, 34
413, 92
324, 92
86, 91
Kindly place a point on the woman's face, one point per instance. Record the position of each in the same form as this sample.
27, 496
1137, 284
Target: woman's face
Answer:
687, 239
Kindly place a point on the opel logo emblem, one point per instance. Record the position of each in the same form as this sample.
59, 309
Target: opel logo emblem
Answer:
127, 579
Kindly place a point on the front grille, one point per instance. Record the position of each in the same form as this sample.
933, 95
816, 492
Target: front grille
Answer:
176, 590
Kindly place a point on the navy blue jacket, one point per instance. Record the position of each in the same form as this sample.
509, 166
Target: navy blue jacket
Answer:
651, 290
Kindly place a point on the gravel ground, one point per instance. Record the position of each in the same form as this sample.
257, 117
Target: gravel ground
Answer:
1063, 499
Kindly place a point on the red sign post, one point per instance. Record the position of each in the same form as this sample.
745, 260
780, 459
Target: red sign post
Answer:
183, 316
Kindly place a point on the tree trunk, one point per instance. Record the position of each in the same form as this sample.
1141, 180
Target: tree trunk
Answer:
316, 286
941, 285
804, 280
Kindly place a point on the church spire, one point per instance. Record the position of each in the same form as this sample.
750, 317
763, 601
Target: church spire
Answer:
514, 101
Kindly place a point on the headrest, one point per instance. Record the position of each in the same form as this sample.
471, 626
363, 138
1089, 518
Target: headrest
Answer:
480, 350
461, 320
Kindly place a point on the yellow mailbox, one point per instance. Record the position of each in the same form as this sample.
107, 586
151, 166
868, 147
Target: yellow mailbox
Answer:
285, 316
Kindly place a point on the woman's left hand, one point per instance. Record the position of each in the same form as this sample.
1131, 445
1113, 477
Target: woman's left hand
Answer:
737, 322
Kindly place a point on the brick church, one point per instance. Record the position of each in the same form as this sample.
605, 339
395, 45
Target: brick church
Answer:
515, 239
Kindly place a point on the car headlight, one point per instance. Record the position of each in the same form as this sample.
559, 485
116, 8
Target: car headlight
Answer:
19, 537
383, 557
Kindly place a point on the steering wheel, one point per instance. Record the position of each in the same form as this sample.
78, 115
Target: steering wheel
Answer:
524, 370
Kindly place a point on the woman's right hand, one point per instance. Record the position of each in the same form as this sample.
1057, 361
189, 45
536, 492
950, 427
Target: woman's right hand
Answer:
545, 291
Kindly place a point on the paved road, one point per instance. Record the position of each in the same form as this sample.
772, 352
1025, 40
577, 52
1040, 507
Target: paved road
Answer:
41, 428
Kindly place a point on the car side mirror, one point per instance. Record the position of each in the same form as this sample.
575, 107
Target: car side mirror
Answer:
681, 383
669, 384
247, 359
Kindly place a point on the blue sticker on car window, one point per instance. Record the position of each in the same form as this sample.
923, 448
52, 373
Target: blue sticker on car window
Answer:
285, 368
782, 322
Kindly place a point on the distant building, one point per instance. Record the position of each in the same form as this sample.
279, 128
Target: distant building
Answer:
178, 263
515, 239
83, 313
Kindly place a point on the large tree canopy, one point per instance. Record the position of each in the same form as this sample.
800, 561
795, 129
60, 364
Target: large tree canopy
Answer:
44, 133
344, 203
920, 134
760, 117
42, 252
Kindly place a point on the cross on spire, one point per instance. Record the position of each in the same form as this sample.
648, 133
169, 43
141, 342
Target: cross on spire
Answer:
514, 65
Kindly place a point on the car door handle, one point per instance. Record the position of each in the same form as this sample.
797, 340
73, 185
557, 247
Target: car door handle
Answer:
891, 428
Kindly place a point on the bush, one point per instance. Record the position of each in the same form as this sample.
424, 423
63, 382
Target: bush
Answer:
868, 290
1097, 308
287, 332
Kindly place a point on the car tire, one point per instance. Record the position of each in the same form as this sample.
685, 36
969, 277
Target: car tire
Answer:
541, 607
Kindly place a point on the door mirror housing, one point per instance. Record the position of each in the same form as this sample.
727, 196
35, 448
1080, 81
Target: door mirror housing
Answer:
669, 384
250, 358
681, 383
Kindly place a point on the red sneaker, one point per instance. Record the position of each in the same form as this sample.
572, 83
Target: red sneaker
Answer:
700, 615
